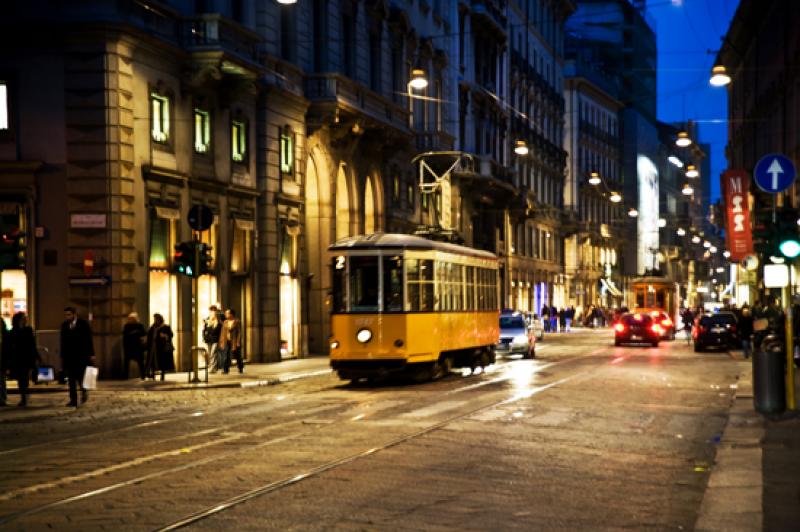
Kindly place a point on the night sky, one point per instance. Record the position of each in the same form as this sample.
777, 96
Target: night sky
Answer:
686, 30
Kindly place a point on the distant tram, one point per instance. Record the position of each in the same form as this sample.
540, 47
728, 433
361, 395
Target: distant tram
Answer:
656, 292
402, 303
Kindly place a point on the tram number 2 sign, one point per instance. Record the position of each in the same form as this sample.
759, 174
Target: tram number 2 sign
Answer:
739, 236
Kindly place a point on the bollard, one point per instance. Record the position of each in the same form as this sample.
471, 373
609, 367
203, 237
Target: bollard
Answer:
769, 390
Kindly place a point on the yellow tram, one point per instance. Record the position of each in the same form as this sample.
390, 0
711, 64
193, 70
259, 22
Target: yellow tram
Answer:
656, 292
405, 303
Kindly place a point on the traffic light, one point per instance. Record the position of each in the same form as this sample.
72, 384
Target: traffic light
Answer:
205, 258
788, 233
12, 249
183, 260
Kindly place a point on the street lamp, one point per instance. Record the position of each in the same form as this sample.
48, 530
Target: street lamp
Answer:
520, 148
633, 213
681, 231
726, 254
719, 76
713, 249
287, 2
695, 239
691, 171
674, 160
687, 189
418, 79
615, 197
594, 178
720, 269
683, 139
706, 244
662, 222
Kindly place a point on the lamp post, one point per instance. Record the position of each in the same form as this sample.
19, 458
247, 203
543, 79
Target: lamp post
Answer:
719, 76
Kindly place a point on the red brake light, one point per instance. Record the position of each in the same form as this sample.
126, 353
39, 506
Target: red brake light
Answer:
619, 327
656, 328
666, 322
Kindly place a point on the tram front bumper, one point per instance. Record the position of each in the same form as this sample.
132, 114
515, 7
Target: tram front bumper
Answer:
357, 369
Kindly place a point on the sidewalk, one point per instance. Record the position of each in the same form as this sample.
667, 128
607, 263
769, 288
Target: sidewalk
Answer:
755, 481
257, 374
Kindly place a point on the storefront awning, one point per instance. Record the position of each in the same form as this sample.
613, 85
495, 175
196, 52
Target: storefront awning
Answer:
609, 285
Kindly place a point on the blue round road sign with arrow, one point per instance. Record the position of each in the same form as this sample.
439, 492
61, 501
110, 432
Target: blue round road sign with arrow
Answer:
774, 173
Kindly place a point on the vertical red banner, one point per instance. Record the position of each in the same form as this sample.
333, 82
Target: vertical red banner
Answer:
738, 232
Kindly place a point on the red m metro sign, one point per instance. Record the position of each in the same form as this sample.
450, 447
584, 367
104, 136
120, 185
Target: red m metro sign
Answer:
738, 233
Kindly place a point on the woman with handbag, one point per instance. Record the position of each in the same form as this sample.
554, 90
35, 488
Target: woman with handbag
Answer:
159, 348
21, 353
231, 341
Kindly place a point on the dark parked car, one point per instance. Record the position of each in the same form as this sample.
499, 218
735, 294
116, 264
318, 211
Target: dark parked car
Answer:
637, 328
715, 330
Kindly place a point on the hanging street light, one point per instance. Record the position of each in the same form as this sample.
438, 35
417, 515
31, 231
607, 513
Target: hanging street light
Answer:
633, 213
675, 161
520, 148
720, 269
687, 189
706, 244
691, 171
713, 249
662, 222
726, 254
695, 239
681, 231
683, 139
594, 178
418, 79
615, 197
719, 76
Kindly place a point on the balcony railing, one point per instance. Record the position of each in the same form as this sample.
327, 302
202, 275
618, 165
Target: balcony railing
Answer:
352, 95
215, 32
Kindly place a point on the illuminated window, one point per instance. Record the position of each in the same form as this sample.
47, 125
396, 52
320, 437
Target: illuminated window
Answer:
202, 131
287, 151
238, 141
240, 251
160, 109
160, 250
3, 105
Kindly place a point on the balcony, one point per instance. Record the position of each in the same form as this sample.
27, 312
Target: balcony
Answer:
214, 33
332, 95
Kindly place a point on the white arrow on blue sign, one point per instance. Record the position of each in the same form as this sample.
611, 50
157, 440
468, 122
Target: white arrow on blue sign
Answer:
774, 173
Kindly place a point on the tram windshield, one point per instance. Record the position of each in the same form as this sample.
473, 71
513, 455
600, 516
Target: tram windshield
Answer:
356, 289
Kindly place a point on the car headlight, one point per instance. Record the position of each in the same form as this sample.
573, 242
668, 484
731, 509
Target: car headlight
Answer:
364, 335
520, 339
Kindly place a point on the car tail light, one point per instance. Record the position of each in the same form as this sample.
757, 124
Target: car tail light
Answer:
656, 328
666, 322
732, 327
619, 327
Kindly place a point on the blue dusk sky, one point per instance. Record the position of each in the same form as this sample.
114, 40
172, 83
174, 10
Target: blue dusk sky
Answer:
686, 30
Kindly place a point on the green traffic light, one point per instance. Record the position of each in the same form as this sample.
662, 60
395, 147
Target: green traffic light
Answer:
790, 248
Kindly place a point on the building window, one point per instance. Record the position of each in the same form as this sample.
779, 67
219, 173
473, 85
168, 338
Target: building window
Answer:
202, 131
160, 126
287, 151
238, 141
410, 195
395, 189
240, 250
3, 106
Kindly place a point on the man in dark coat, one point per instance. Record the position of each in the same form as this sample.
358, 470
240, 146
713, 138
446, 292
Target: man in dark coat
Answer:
21, 353
133, 344
77, 352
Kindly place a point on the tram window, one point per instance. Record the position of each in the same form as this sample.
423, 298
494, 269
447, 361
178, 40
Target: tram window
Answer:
458, 287
469, 303
364, 284
392, 284
339, 285
419, 274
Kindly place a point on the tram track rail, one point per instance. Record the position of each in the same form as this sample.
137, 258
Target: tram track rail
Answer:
262, 490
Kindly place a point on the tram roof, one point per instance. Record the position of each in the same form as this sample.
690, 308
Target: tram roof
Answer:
401, 241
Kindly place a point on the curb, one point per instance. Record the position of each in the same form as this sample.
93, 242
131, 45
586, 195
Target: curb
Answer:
733, 496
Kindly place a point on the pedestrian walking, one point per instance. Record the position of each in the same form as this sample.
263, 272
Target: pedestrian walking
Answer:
159, 348
77, 352
553, 319
569, 313
134, 342
745, 327
231, 341
546, 318
21, 353
212, 329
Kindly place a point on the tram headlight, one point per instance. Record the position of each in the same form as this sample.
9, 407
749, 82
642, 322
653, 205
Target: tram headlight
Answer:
335, 344
364, 335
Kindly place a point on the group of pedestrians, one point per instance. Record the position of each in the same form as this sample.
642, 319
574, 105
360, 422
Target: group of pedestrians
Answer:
19, 356
152, 350
222, 334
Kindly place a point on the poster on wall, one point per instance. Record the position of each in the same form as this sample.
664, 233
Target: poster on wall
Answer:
738, 233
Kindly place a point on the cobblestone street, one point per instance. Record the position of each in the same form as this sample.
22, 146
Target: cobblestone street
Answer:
585, 435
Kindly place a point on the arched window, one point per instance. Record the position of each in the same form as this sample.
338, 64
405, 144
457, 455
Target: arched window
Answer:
342, 205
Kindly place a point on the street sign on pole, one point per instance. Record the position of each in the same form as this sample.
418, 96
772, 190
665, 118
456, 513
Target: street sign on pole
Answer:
774, 173
200, 217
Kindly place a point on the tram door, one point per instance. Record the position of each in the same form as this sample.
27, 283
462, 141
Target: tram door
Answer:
651, 296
